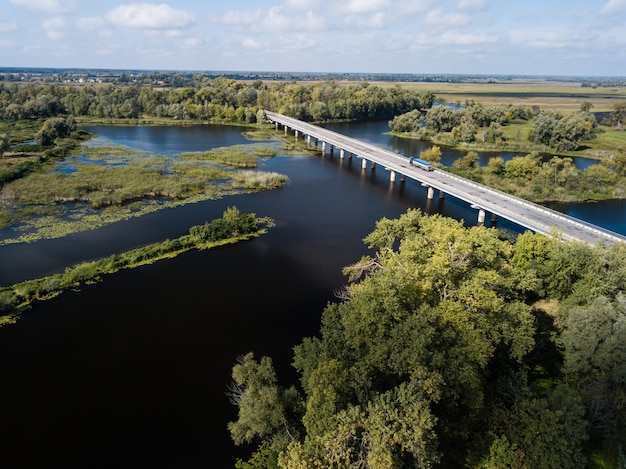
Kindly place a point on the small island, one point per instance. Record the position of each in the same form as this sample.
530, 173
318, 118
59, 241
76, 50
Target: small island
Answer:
233, 227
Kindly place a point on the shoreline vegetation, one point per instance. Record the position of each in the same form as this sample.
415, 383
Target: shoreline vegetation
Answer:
233, 227
90, 187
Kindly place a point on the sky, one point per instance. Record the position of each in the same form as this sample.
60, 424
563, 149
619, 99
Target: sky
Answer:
485, 37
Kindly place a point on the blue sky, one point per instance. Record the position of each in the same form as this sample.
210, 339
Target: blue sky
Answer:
529, 37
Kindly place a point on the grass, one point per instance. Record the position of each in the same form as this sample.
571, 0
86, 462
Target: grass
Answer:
562, 96
233, 156
104, 185
18, 297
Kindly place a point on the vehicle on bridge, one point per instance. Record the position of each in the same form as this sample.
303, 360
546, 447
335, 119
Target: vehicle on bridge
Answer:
422, 164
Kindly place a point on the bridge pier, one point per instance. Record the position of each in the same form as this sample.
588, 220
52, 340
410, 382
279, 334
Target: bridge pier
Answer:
308, 140
441, 194
481, 216
392, 176
364, 164
295, 132
342, 153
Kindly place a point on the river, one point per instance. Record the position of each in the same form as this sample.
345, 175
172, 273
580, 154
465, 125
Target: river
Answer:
133, 371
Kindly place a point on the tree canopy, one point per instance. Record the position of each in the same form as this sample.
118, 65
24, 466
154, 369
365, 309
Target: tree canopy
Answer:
452, 347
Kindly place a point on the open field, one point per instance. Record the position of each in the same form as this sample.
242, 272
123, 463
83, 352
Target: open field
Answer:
547, 94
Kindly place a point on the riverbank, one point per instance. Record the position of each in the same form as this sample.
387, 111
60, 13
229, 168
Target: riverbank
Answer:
232, 228
608, 142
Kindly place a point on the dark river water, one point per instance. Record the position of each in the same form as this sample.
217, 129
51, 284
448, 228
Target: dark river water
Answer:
133, 371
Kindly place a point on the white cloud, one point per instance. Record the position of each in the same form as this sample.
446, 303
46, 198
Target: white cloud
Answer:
445, 20
301, 5
614, 7
363, 6
92, 23
473, 4
238, 17
149, 15
6, 27
192, 42
275, 20
55, 34
409, 7
54, 27
251, 44
46, 6
467, 39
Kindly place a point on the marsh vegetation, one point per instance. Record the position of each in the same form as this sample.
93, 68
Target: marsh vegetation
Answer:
96, 186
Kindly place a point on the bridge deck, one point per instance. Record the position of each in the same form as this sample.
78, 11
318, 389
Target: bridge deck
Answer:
527, 214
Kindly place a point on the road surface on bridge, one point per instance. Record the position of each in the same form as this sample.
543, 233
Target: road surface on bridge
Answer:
527, 214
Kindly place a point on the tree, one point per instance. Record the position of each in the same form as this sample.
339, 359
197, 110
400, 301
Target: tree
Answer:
493, 133
541, 433
466, 129
495, 166
408, 122
570, 131
53, 128
468, 161
618, 113
543, 128
441, 119
595, 361
264, 407
432, 307
432, 154
524, 167
5, 144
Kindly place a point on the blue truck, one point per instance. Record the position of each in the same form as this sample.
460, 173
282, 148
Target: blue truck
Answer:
422, 164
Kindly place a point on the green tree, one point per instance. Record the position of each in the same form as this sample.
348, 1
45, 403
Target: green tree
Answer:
53, 128
618, 113
494, 133
5, 144
543, 128
408, 122
570, 131
495, 166
524, 167
541, 433
466, 129
468, 161
435, 304
441, 118
432, 154
595, 362
264, 407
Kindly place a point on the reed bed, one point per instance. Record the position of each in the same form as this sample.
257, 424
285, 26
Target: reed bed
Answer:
103, 185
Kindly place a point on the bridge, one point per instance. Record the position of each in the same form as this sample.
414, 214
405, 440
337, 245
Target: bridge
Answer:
480, 197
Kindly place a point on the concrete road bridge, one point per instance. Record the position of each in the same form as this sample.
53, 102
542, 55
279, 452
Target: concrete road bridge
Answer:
480, 197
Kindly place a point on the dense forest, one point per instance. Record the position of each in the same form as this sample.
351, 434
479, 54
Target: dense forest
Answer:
452, 348
210, 100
